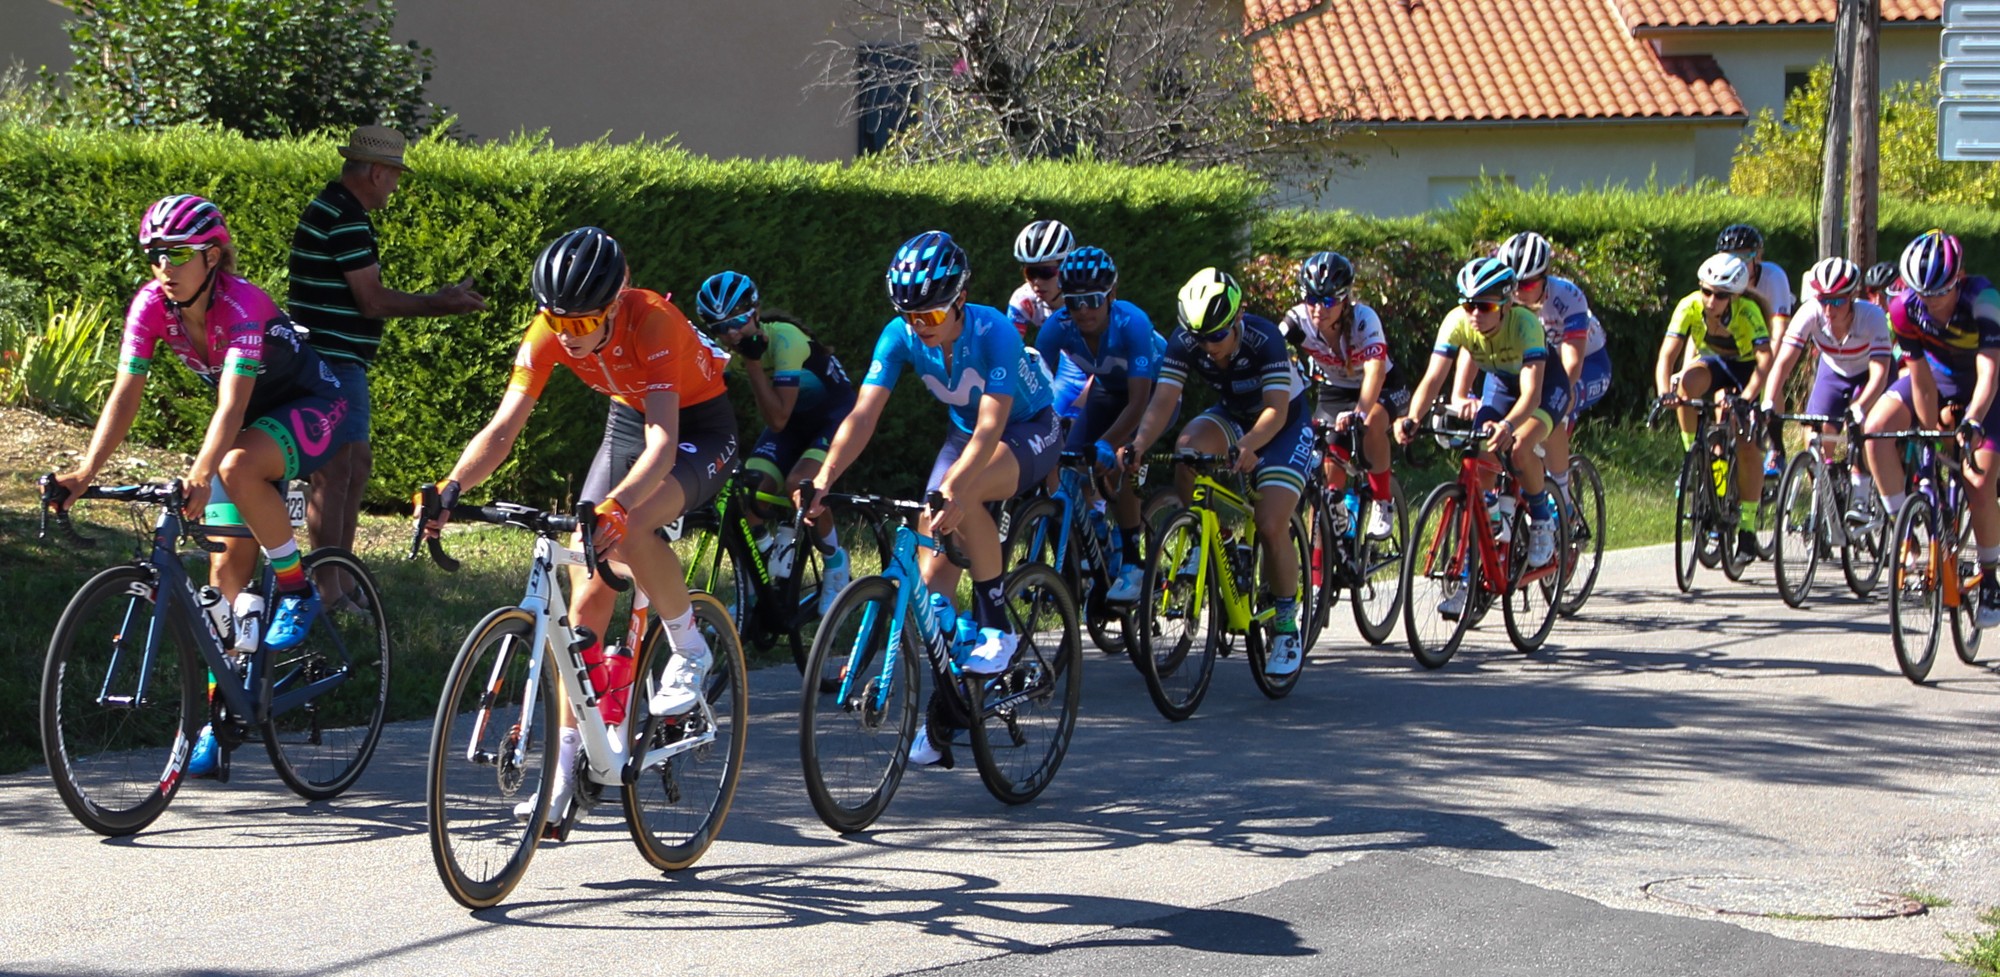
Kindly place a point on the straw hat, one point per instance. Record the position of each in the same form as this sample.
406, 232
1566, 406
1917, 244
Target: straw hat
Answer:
376, 144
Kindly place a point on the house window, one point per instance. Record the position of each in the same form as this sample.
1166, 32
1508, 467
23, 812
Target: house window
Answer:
1796, 80
885, 89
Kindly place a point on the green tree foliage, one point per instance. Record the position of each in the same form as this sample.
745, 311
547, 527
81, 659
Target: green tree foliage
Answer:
1781, 156
260, 67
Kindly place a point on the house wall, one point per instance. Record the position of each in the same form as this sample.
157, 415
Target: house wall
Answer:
31, 34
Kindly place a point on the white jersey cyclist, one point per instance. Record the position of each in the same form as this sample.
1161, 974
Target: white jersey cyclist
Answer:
1565, 313
1772, 289
1340, 364
1867, 339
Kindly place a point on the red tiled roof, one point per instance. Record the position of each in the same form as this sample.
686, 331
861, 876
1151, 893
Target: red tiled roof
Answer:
1641, 14
1466, 60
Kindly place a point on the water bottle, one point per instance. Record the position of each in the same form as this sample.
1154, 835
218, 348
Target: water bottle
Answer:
1500, 512
1719, 470
1244, 558
249, 621
782, 552
218, 613
611, 677
1351, 505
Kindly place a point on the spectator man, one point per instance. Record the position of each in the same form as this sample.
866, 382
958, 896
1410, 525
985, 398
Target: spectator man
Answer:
337, 293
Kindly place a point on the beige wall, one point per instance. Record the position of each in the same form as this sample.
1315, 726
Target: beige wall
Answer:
1407, 171
1755, 61
31, 34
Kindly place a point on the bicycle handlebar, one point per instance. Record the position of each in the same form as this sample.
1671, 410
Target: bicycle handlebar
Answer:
1965, 459
537, 521
882, 507
169, 494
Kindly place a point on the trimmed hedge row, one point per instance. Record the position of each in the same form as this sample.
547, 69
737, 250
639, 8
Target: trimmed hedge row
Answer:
815, 236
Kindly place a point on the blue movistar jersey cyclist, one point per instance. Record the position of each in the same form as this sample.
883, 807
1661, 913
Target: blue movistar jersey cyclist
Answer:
1128, 348
988, 357
1262, 362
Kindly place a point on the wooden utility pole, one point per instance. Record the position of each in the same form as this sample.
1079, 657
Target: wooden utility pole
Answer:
1833, 163
1864, 169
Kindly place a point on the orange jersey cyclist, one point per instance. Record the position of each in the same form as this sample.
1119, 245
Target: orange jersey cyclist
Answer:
635, 347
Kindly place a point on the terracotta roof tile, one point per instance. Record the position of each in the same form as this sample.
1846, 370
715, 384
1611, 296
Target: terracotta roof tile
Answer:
1462, 60
1641, 14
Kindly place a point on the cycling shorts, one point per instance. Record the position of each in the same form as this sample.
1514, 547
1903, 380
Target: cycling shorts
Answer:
776, 453
704, 462
1832, 390
1502, 390
1730, 375
308, 430
1035, 441
1949, 391
1283, 463
1101, 408
1335, 401
1593, 383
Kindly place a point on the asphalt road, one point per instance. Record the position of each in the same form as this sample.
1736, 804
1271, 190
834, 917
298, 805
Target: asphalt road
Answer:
1499, 816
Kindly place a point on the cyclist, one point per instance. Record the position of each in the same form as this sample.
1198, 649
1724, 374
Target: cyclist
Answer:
1003, 437
1731, 354
802, 394
1947, 327
1571, 329
1522, 399
1261, 420
1040, 248
1771, 289
278, 412
1881, 283
1346, 354
1852, 337
1111, 342
670, 440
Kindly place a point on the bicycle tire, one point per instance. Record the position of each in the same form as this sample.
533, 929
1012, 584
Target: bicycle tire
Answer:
1441, 559
117, 769
1381, 566
1259, 643
1861, 559
1179, 624
1691, 496
673, 812
850, 788
1586, 490
1965, 630
1529, 610
859, 536
1799, 528
1915, 599
712, 566
1046, 675
490, 673
322, 746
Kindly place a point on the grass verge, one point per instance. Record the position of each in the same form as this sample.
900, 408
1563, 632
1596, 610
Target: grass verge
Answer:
1980, 951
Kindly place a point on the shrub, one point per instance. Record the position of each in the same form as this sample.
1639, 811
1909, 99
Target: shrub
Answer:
62, 367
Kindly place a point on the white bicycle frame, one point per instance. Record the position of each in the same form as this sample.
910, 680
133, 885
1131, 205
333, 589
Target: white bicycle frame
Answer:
604, 754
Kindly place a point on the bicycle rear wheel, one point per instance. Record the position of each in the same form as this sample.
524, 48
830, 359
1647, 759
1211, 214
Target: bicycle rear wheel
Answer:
483, 763
1965, 630
1861, 560
1178, 621
321, 746
1586, 536
1027, 714
1529, 609
1441, 577
1799, 528
676, 803
1915, 592
1261, 636
854, 747
1691, 501
711, 567
1378, 597
117, 757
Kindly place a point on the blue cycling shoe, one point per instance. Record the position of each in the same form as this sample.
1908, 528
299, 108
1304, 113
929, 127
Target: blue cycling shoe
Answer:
207, 754
292, 620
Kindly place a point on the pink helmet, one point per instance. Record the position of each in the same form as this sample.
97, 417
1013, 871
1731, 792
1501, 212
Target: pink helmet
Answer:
183, 219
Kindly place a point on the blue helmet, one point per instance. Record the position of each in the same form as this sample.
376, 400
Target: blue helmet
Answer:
1486, 279
928, 273
725, 294
1088, 270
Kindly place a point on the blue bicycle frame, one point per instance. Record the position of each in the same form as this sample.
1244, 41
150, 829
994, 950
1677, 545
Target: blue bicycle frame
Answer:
902, 571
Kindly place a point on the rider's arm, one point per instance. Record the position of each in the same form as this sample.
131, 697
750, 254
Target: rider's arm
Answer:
1923, 391
112, 425
1755, 387
853, 434
1159, 409
1986, 369
1270, 420
1465, 377
1374, 373
1427, 391
1670, 353
1138, 394
1572, 358
1781, 370
1533, 373
1878, 381
774, 403
490, 447
656, 460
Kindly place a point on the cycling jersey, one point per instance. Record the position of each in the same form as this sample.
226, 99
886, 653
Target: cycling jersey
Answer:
248, 336
1026, 308
1566, 315
1867, 338
798, 360
1262, 362
1745, 332
1771, 289
986, 358
1128, 347
1517, 342
1360, 341
652, 349
1952, 347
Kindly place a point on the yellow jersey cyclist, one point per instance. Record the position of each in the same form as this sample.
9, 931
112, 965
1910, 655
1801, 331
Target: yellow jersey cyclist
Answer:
669, 444
1345, 353
802, 394
1947, 329
1523, 396
278, 413
1771, 289
1731, 356
1261, 420
1003, 437
1853, 341
1112, 345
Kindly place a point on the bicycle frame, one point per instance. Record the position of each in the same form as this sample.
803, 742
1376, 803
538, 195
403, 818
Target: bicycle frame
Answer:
1947, 501
1210, 499
902, 571
1493, 555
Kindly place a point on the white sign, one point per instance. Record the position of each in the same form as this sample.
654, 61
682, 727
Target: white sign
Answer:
1971, 13
1969, 79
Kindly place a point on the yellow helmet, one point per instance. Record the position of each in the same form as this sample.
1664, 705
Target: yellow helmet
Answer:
1210, 302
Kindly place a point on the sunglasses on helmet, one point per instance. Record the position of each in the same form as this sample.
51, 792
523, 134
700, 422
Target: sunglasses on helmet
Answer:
174, 255
1085, 300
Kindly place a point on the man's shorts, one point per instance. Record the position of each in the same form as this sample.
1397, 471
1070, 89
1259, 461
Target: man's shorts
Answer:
1950, 391
1036, 443
1832, 391
308, 430
1730, 375
1593, 383
703, 464
1283, 463
1335, 401
353, 379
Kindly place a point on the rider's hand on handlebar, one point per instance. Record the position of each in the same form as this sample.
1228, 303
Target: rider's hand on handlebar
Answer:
1346, 419
73, 483
447, 493
818, 506
1971, 433
1242, 460
611, 526
1128, 456
1406, 430
1499, 435
945, 518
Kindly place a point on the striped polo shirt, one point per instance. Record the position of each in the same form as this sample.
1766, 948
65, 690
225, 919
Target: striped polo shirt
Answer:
334, 236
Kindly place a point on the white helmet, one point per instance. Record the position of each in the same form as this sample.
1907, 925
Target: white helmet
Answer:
1527, 253
1044, 243
1724, 272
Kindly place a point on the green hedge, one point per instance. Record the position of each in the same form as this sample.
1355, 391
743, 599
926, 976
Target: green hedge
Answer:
815, 236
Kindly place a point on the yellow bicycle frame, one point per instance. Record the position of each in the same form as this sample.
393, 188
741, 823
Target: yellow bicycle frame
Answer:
1209, 496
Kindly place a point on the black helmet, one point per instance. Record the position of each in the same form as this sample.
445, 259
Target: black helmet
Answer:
1325, 275
1088, 270
1739, 237
579, 272
1880, 276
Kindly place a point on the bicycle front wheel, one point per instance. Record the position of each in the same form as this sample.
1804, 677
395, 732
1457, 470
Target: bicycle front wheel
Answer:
854, 745
116, 755
1799, 528
1441, 577
1965, 616
867, 551
1378, 597
1178, 621
1586, 534
1529, 611
1279, 686
1915, 590
321, 745
1027, 714
676, 795
1692, 499
492, 750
